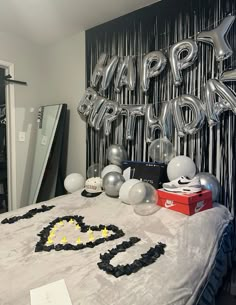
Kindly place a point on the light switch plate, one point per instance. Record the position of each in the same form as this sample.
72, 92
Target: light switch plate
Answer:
21, 136
44, 140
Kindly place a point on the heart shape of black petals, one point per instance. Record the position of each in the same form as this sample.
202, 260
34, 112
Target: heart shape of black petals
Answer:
146, 259
44, 234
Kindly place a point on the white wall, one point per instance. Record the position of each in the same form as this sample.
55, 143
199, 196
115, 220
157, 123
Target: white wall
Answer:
66, 68
54, 74
28, 60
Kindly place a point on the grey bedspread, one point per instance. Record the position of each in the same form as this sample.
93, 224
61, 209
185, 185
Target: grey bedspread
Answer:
174, 279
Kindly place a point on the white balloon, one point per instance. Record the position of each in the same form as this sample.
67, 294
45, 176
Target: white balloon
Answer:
74, 182
110, 168
181, 166
125, 188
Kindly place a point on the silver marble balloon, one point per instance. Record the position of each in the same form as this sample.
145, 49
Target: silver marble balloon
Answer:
112, 183
116, 154
210, 182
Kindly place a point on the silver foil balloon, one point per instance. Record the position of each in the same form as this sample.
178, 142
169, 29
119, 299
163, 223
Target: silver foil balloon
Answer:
161, 122
116, 154
94, 114
149, 70
112, 183
104, 72
98, 70
218, 38
227, 100
131, 112
107, 113
86, 103
228, 76
197, 111
210, 182
177, 63
126, 74
108, 72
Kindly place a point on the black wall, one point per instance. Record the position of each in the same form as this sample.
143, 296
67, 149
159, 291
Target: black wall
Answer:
157, 27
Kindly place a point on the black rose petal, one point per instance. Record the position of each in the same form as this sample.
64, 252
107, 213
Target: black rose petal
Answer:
137, 263
79, 247
134, 239
109, 268
90, 244
47, 248
101, 227
156, 255
128, 269
160, 250
118, 273
5, 221
39, 248
95, 228
58, 247
67, 247
113, 251
102, 265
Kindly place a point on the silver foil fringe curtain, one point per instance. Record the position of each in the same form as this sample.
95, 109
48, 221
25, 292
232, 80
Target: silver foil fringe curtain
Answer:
158, 27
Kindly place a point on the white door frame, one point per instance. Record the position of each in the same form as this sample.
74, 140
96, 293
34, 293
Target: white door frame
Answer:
11, 137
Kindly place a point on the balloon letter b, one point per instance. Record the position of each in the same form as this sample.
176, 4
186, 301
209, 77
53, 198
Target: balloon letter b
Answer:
107, 113
86, 103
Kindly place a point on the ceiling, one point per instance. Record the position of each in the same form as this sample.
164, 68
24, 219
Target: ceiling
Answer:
48, 21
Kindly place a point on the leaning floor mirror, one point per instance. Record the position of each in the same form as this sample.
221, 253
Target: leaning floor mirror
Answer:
49, 164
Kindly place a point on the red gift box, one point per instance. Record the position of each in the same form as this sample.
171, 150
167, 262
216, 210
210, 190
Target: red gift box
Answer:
188, 204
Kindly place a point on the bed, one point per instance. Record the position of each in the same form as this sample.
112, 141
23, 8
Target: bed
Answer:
184, 274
